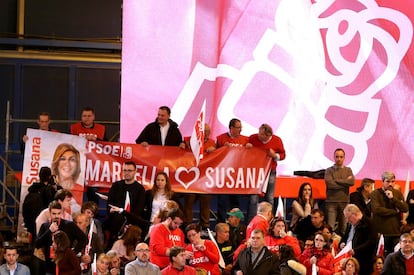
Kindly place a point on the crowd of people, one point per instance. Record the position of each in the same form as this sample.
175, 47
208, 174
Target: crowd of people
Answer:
153, 232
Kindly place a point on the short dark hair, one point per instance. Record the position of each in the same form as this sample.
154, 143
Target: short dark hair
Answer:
55, 205
61, 194
91, 205
44, 174
339, 149
233, 122
130, 162
174, 251
193, 226
10, 247
87, 109
317, 210
166, 108
44, 114
175, 213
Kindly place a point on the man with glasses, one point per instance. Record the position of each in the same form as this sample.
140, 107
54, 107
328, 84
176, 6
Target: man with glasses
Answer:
126, 199
142, 264
232, 138
401, 261
165, 235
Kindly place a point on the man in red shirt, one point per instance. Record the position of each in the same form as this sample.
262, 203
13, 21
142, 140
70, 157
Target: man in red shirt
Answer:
164, 236
275, 150
232, 138
178, 258
87, 127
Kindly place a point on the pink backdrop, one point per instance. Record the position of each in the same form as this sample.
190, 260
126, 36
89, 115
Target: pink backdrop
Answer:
324, 74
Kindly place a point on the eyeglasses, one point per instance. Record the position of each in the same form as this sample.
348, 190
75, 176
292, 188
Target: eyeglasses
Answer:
130, 171
406, 241
143, 250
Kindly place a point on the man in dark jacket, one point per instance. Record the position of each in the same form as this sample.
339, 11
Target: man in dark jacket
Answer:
401, 262
163, 131
256, 259
360, 231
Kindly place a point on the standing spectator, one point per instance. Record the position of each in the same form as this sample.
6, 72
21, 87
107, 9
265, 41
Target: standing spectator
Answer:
157, 196
410, 202
120, 212
177, 266
87, 127
204, 199
387, 204
43, 122
232, 138
402, 261
142, 264
163, 131
11, 266
205, 254
40, 194
42, 261
95, 247
166, 235
275, 150
318, 254
361, 233
338, 179
65, 259
303, 205
310, 227
256, 259
90, 209
277, 236
225, 246
237, 228
361, 197
262, 218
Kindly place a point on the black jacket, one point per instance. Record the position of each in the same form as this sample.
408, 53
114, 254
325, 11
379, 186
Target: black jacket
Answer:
267, 265
152, 134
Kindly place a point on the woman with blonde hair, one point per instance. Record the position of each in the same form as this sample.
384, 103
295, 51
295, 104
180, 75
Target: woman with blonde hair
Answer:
349, 267
66, 165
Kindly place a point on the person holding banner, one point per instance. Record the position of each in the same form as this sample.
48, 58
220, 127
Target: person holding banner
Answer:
318, 255
87, 127
275, 150
232, 138
163, 131
43, 121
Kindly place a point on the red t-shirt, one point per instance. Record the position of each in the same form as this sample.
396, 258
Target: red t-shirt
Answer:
96, 129
274, 143
233, 141
207, 259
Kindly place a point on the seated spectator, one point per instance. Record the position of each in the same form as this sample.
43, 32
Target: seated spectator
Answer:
402, 261
64, 198
166, 235
256, 258
65, 259
115, 266
277, 236
319, 255
142, 264
288, 262
237, 228
125, 246
178, 257
408, 228
349, 267
377, 265
11, 266
102, 265
205, 254
334, 239
311, 225
162, 215
225, 246
303, 205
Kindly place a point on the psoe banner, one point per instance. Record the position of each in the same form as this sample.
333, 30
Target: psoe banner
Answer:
226, 170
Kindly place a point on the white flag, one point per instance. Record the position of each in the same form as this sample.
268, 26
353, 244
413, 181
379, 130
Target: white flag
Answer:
280, 212
222, 264
197, 137
127, 206
381, 246
407, 185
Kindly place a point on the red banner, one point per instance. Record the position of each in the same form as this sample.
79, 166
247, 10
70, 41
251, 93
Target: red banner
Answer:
226, 170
